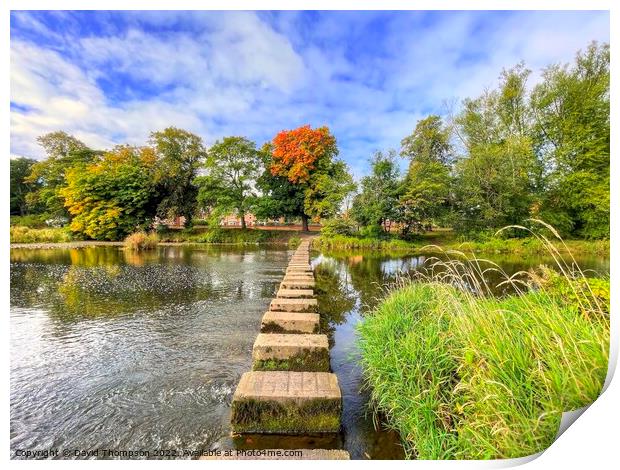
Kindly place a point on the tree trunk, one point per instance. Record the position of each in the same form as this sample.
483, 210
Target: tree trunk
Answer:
304, 222
242, 215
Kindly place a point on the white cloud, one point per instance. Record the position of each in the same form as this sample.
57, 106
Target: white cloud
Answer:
235, 73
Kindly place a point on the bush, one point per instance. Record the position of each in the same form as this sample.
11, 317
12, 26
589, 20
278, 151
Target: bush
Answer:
140, 241
43, 235
31, 221
334, 227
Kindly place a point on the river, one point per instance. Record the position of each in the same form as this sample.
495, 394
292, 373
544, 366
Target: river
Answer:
127, 351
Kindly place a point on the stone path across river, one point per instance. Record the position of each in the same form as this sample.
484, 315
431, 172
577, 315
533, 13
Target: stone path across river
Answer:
290, 389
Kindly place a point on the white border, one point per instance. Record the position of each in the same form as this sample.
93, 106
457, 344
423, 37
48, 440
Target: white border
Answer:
590, 443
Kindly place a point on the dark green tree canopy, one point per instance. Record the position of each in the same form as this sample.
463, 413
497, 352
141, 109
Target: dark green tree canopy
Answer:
233, 166
180, 154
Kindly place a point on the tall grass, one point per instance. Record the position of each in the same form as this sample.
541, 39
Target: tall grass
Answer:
20, 234
495, 244
462, 374
141, 241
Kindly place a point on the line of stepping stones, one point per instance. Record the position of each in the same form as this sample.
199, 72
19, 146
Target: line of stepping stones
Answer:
290, 389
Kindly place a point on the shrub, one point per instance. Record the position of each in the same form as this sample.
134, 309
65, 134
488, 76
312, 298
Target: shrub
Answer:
140, 241
31, 221
333, 227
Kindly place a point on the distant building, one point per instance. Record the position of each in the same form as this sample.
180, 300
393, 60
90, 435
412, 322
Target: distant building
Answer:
170, 222
233, 220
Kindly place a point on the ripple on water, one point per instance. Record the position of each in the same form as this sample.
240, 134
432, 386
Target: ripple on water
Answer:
133, 356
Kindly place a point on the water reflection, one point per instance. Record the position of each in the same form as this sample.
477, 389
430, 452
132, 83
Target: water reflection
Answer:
115, 349
349, 286
112, 349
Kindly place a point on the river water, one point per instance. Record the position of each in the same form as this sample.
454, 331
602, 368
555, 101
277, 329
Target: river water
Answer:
122, 351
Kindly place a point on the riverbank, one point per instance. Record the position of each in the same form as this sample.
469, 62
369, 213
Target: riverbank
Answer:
25, 237
433, 243
465, 377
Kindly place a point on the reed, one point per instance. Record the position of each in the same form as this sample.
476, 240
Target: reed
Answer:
461, 374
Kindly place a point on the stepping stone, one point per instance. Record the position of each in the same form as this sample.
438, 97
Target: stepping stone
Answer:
297, 284
284, 402
290, 322
295, 293
293, 305
294, 352
304, 274
298, 278
278, 454
299, 269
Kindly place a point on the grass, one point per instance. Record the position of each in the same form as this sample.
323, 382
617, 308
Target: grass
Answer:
225, 236
315, 361
141, 241
21, 234
463, 375
432, 243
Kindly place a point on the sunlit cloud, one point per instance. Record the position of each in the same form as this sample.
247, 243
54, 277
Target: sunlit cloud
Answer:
114, 77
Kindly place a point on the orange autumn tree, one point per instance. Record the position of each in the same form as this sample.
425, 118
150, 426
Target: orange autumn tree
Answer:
305, 157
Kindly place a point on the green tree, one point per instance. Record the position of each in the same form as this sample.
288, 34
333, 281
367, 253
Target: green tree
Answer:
426, 187
20, 169
377, 203
497, 181
63, 151
180, 154
234, 165
109, 198
572, 138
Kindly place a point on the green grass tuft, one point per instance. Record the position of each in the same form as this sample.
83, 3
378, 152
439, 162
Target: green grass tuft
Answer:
463, 376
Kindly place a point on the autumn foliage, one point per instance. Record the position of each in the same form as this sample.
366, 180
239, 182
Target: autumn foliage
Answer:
296, 152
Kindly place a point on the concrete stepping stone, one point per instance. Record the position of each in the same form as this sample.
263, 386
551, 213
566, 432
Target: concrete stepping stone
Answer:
293, 305
290, 322
294, 352
295, 293
297, 284
287, 402
278, 454
299, 274
299, 269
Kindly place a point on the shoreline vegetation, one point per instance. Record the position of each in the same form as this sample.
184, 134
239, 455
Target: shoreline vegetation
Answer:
464, 375
426, 244
24, 237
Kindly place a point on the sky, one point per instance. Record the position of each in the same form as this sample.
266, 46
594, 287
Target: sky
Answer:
114, 77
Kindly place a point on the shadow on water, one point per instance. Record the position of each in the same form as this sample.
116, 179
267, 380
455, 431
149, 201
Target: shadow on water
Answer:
122, 350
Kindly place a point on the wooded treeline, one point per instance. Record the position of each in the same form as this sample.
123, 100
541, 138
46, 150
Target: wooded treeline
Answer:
513, 153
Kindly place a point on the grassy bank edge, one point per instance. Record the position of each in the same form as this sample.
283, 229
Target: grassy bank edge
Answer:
430, 246
26, 237
465, 377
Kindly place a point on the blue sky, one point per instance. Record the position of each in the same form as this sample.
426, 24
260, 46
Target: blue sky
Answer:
113, 77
